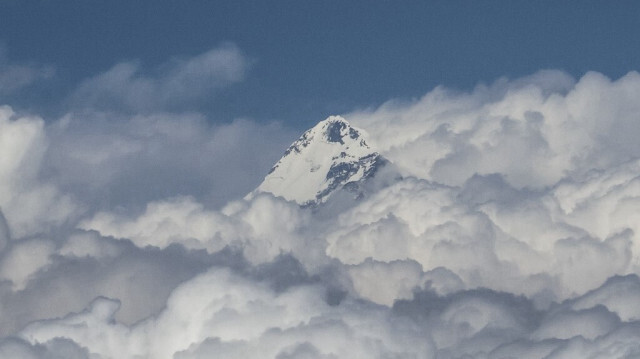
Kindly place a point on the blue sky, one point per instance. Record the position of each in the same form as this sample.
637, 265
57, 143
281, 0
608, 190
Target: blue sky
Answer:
309, 59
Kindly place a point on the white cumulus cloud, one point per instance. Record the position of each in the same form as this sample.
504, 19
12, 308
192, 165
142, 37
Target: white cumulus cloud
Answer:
512, 231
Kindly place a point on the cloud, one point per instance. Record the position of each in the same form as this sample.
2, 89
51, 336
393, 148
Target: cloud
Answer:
264, 228
55, 349
241, 318
512, 231
29, 205
16, 77
386, 282
51, 278
534, 131
220, 312
129, 161
173, 85
24, 259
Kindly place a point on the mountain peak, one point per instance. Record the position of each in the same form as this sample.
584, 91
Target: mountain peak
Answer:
325, 158
335, 128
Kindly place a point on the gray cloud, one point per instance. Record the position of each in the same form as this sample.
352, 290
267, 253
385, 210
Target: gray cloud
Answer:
172, 85
16, 77
55, 349
129, 161
239, 317
29, 204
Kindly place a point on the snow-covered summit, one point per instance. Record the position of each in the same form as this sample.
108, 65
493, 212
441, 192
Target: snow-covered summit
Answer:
325, 158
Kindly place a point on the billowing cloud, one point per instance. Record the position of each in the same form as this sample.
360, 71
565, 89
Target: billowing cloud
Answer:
534, 131
57, 348
130, 161
29, 204
511, 231
218, 312
24, 259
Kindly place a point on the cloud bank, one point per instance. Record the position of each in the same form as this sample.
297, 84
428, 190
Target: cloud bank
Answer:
512, 232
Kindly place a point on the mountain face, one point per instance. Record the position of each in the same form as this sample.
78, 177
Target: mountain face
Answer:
330, 156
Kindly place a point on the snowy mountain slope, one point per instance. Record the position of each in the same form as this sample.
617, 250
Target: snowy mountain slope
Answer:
324, 159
